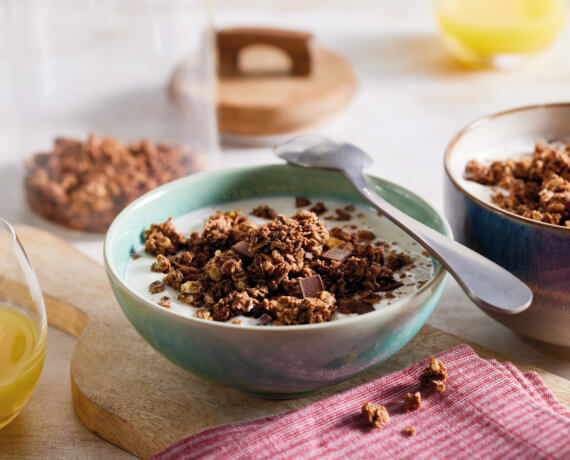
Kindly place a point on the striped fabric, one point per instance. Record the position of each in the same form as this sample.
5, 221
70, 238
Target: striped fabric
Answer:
489, 410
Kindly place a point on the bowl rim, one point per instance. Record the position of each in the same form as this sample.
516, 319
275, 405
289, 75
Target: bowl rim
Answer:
437, 278
490, 206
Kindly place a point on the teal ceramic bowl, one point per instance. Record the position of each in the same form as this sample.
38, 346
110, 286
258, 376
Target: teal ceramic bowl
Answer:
273, 361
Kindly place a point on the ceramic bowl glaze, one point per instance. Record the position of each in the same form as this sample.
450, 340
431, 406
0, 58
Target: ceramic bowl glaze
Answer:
275, 361
536, 252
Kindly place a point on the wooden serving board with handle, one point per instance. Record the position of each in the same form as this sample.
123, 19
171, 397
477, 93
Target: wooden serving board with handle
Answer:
130, 395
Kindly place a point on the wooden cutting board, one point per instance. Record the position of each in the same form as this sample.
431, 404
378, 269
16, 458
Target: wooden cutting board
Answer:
131, 396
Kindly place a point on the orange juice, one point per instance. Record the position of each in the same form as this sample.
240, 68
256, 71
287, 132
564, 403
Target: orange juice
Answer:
479, 30
22, 353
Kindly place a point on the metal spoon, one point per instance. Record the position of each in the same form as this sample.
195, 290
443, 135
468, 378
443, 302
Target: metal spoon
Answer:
490, 286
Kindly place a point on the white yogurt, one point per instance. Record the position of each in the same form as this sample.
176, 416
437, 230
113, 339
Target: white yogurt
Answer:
139, 275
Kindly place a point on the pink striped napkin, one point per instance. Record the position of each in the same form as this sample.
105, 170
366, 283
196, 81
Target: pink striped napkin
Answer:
489, 410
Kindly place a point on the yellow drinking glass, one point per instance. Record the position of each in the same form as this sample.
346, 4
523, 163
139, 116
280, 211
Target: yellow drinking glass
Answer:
23, 326
499, 32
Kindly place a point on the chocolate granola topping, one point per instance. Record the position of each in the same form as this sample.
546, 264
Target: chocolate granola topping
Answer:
537, 186
290, 270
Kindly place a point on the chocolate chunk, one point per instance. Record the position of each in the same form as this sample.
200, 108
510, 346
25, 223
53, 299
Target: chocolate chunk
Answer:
301, 202
336, 254
311, 286
265, 319
242, 249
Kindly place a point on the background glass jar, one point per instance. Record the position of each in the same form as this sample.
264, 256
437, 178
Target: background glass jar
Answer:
96, 125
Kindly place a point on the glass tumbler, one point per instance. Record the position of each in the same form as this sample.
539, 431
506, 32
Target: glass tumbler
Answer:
23, 326
499, 33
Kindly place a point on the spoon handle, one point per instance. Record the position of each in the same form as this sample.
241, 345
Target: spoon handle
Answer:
490, 286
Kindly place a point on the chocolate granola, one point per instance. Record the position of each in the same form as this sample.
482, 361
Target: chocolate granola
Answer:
537, 186
412, 401
434, 375
84, 185
375, 416
281, 272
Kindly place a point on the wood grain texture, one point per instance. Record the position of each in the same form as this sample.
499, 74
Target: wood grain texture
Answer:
262, 103
130, 395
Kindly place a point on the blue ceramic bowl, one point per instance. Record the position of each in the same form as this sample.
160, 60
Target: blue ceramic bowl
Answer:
276, 361
536, 252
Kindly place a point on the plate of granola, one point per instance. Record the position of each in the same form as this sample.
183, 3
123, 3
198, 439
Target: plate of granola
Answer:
508, 197
274, 280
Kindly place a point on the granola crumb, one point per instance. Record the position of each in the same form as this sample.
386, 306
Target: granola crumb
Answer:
164, 302
264, 212
236, 321
375, 416
156, 286
412, 401
135, 256
434, 375
319, 208
410, 431
202, 313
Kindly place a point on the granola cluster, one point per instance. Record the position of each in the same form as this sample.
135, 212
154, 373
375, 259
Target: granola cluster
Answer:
290, 270
377, 416
538, 185
84, 185
434, 375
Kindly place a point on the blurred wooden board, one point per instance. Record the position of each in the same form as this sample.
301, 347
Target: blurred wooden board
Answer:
126, 392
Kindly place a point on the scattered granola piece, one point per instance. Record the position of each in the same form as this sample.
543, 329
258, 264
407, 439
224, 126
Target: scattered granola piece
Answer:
434, 375
410, 431
342, 215
365, 235
375, 416
349, 208
202, 313
156, 287
319, 208
135, 256
412, 401
264, 212
236, 321
301, 202
164, 302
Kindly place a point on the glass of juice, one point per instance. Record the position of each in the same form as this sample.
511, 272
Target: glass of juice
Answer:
499, 33
23, 326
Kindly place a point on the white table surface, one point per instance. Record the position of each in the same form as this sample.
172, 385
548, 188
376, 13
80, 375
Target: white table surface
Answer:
412, 99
